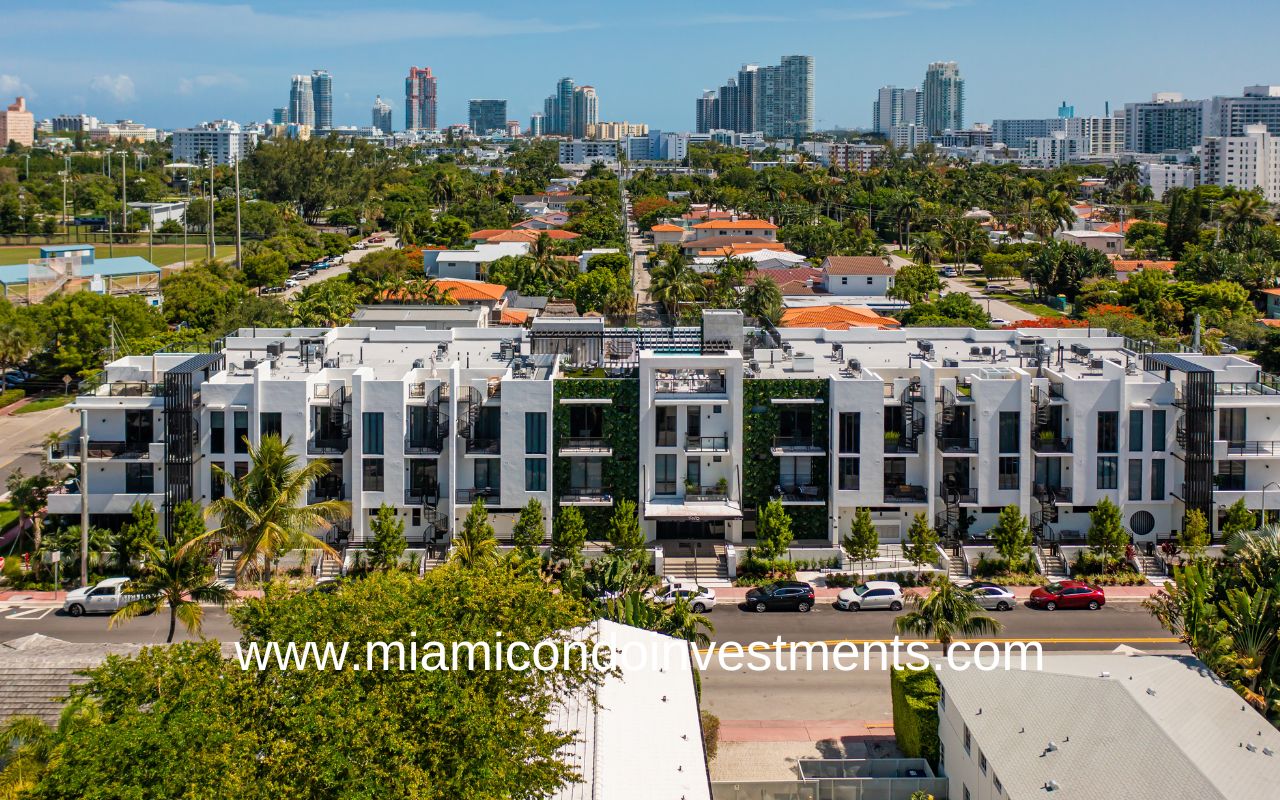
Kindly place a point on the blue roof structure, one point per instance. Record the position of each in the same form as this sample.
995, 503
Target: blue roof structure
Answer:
47, 249
16, 274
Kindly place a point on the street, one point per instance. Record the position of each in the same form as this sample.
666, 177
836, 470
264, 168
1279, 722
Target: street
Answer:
22, 438
348, 258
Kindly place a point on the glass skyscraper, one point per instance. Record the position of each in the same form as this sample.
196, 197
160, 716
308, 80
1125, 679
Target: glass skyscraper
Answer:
322, 98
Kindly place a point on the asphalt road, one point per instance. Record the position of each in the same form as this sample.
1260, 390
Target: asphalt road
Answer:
22, 438
348, 258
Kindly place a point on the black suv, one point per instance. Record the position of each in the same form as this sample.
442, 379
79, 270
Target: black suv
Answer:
783, 595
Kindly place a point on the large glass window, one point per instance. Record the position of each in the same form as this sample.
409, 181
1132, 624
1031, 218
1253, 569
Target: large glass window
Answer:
1135, 478
1135, 431
664, 474
373, 434
535, 435
1009, 424
373, 474
217, 487
423, 482
1231, 476
1108, 437
269, 423
850, 478
241, 431
665, 427
1158, 423
1232, 425
585, 474
895, 472
138, 428
217, 432
850, 432
486, 473
1010, 472
535, 474
139, 478
1107, 469
1157, 479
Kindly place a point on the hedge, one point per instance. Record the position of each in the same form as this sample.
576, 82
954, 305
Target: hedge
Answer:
915, 712
10, 396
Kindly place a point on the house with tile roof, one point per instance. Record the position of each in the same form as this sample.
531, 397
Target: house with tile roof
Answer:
666, 233
857, 275
835, 318
499, 235
469, 264
1126, 267
543, 222
731, 245
1273, 303
758, 228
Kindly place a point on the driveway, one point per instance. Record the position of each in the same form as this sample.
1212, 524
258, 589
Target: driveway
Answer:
997, 309
348, 258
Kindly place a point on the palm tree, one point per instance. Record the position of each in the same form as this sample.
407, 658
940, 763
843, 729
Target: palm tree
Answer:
545, 265
928, 247
475, 545
763, 299
674, 282
442, 187
683, 622
948, 611
1057, 207
1242, 213
265, 516
26, 745
15, 345
176, 577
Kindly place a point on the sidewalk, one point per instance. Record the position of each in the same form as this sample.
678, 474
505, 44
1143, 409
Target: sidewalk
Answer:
1117, 594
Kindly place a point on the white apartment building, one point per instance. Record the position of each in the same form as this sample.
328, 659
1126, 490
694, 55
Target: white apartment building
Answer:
222, 140
908, 136
587, 151
699, 426
469, 265
1103, 136
1251, 161
1163, 177
1086, 725
1054, 150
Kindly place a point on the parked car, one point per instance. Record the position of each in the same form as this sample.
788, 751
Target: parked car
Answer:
290, 283
359, 246
950, 272
871, 595
1068, 594
781, 596
996, 322
992, 597
300, 275
105, 597
699, 598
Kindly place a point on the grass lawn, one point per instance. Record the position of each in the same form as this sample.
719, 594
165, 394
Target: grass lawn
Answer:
164, 254
1039, 309
8, 516
45, 403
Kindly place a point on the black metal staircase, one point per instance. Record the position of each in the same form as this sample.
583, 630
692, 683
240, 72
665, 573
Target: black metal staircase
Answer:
946, 413
469, 402
947, 521
340, 408
913, 422
1047, 497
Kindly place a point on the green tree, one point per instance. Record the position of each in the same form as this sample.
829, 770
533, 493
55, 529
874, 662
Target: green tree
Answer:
388, 543
1106, 533
1239, 519
29, 495
530, 529
946, 612
264, 517
914, 283
266, 268
176, 577
77, 323
130, 542
922, 542
763, 299
568, 536
862, 542
625, 536
1194, 538
773, 530
475, 546
26, 745
1011, 537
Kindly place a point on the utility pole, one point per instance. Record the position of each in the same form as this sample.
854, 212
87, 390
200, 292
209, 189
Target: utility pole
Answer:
66, 176
213, 240
124, 196
239, 263
84, 497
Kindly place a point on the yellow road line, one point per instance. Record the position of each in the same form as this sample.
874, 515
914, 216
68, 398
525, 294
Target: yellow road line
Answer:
769, 646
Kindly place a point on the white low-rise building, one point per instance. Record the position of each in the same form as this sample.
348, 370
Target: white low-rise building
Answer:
469, 265
1251, 161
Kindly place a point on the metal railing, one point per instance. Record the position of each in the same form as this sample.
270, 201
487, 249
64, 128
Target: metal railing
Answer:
805, 443
800, 493
585, 494
707, 443
422, 495
1253, 448
900, 446
664, 487
484, 445
327, 491
99, 449
1050, 444
328, 445
424, 444
1061, 494
471, 495
705, 494
417, 391
958, 494
905, 493
957, 444
1245, 388
707, 385
586, 443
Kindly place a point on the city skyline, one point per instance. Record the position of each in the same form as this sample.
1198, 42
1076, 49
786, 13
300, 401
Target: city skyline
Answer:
367, 54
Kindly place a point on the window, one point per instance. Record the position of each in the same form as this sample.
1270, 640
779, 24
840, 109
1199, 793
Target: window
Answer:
1157, 479
1107, 469
1232, 425
585, 475
664, 474
217, 488
535, 436
870, 281
269, 423
1009, 424
665, 427
850, 432
1108, 441
1157, 430
535, 474
373, 474
895, 472
585, 422
139, 478
1230, 476
1135, 431
1010, 472
239, 469
241, 431
217, 432
982, 762
850, 478
693, 474
968, 740
373, 438
1135, 478
995, 782
967, 795
486, 474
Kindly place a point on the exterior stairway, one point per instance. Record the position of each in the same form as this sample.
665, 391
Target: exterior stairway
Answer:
705, 564
1152, 569
958, 570
225, 571
1051, 563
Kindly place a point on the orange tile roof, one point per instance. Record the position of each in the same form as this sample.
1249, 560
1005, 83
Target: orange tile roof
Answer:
857, 265
834, 318
1273, 292
1114, 227
1270, 323
491, 236
485, 233
738, 224
741, 248
667, 227
514, 316
715, 242
1135, 265
465, 291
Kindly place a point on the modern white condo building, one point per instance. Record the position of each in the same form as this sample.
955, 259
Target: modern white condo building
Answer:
699, 426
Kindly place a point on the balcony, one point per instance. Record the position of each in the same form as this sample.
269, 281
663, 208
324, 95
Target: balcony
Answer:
1051, 445
1057, 494
706, 494
428, 495
957, 444
483, 446
328, 445
896, 444
905, 493
706, 444
952, 495
1252, 448
803, 494
585, 446
586, 496
468, 496
328, 490
1243, 389
425, 445
694, 384
98, 386
795, 445
68, 449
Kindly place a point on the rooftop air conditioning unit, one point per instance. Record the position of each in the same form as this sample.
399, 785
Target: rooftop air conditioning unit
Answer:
275, 349
250, 363
419, 363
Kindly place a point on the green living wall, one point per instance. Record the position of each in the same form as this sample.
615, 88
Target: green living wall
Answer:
760, 422
620, 473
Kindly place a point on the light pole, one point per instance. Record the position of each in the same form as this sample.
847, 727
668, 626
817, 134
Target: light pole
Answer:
66, 176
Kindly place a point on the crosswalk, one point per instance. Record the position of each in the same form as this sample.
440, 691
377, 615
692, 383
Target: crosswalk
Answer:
26, 612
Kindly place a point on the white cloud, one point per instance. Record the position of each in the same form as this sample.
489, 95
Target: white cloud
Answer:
119, 87
12, 84
201, 82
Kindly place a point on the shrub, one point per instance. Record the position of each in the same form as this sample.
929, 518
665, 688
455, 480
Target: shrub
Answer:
710, 734
915, 712
10, 396
754, 570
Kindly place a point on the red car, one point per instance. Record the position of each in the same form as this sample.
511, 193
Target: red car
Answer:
1068, 594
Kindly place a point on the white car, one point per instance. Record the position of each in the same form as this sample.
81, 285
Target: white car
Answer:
871, 595
996, 322
993, 597
104, 598
700, 599
290, 283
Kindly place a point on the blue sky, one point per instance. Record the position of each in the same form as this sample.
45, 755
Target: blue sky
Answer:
174, 63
